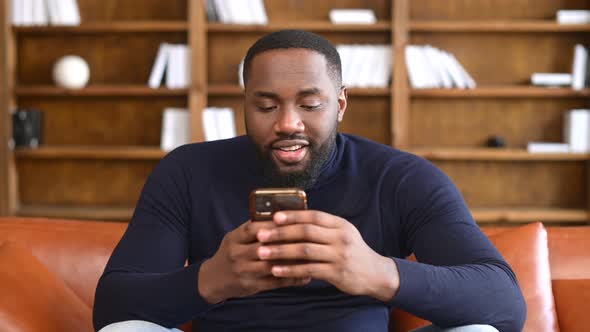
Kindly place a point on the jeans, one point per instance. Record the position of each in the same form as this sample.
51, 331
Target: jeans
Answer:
143, 326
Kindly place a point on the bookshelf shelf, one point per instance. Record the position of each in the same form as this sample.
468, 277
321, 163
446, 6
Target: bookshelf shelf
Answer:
236, 90
491, 154
107, 27
502, 92
382, 26
91, 152
98, 91
496, 26
521, 215
78, 212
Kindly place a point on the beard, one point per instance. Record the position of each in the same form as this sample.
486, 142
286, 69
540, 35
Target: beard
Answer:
305, 178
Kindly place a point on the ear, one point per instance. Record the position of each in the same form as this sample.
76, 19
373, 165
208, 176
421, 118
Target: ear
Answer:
342, 102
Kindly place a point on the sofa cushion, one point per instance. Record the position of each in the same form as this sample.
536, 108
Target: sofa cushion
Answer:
569, 249
571, 299
525, 249
34, 299
76, 251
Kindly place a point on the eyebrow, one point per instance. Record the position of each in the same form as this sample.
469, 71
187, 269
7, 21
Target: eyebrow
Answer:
301, 93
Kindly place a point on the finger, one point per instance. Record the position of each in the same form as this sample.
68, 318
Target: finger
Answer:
254, 269
297, 233
297, 251
322, 271
270, 283
308, 217
246, 233
245, 252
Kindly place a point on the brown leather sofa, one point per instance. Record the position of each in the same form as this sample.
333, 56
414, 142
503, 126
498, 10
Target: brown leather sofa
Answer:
49, 270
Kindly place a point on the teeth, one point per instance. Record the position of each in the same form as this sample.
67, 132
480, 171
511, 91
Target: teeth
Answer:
291, 148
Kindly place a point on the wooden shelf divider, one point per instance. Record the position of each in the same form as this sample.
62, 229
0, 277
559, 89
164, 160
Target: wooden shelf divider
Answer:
521, 215
382, 26
98, 91
493, 154
77, 212
107, 27
91, 152
502, 92
496, 26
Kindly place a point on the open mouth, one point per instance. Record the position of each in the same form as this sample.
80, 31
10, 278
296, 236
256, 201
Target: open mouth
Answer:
289, 153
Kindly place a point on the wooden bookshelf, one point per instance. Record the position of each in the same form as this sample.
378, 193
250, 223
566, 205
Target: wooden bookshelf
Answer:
492, 154
311, 26
111, 129
502, 92
69, 212
495, 26
98, 91
520, 215
91, 152
103, 27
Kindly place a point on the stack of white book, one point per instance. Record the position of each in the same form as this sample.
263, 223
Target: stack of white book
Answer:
237, 11
573, 16
576, 130
352, 16
175, 128
219, 123
44, 12
366, 66
576, 79
174, 61
430, 67
576, 135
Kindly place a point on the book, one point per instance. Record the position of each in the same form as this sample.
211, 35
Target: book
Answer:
573, 16
159, 67
579, 67
551, 79
175, 128
17, 12
259, 11
209, 125
211, 11
352, 16
576, 130
546, 147
225, 121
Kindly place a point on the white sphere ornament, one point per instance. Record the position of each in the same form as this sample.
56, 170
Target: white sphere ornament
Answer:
71, 72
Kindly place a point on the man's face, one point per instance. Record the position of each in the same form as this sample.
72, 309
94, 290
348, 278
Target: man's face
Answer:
292, 110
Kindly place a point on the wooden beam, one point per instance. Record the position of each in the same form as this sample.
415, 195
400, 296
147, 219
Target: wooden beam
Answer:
197, 36
400, 90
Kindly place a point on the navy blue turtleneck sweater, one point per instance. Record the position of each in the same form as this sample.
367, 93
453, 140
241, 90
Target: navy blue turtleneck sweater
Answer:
400, 203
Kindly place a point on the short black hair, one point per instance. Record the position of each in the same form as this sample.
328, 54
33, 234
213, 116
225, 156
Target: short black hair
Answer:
285, 39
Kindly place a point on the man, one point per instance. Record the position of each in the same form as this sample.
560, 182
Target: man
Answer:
338, 266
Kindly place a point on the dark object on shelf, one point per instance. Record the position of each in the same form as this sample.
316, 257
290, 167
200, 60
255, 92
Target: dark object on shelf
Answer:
26, 128
496, 142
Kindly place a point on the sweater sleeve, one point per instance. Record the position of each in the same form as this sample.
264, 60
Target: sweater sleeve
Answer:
460, 278
146, 277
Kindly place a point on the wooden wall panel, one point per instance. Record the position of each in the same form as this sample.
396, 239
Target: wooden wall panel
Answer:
491, 9
506, 58
119, 58
102, 120
4, 117
225, 51
313, 10
82, 182
469, 122
129, 10
518, 184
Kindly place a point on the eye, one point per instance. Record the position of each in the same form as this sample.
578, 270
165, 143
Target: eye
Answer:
266, 109
311, 107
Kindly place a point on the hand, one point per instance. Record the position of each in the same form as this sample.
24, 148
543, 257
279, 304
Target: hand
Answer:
332, 250
236, 271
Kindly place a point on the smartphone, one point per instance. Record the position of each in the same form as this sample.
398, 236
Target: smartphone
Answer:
264, 202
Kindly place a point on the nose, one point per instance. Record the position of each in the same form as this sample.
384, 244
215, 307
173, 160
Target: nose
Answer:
288, 122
